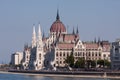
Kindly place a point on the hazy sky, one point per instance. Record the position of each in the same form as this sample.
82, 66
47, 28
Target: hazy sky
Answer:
95, 18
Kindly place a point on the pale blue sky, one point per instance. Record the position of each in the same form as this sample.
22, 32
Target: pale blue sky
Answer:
95, 18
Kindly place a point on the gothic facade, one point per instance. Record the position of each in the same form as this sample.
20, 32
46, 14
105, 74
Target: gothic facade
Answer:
51, 52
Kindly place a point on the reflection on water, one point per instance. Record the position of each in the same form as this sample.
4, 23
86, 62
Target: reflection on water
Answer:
37, 77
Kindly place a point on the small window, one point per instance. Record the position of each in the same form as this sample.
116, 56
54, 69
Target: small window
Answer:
60, 54
92, 54
60, 62
64, 54
76, 54
99, 54
89, 53
83, 54
96, 54
57, 54
104, 55
40, 56
57, 62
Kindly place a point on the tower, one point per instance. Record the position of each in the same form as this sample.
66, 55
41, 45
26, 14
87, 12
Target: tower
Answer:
39, 52
57, 17
43, 36
33, 37
73, 31
77, 32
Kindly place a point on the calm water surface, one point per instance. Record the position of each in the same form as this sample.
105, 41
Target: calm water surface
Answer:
33, 77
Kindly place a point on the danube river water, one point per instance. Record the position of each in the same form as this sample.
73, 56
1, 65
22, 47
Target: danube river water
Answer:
8, 76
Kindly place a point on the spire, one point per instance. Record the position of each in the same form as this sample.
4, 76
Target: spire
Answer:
77, 32
98, 39
95, 40
73, 31
33, 37
99, 42
57, 17
34, 29
39, 32
43, 34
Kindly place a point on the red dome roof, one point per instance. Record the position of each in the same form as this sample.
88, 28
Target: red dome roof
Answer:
57, 26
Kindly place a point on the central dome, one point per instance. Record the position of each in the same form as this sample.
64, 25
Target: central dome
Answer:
57, 26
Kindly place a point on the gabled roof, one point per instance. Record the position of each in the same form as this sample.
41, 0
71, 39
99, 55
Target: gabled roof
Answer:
68, 37
91, 45
65, 45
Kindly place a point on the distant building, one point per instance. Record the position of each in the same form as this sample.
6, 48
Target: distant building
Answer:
16, 58
115, 55
51, 52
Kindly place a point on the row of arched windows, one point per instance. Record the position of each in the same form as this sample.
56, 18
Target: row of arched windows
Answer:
64, 54
79, 54
93, 54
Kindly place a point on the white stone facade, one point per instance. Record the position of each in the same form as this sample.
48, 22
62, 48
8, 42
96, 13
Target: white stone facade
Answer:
34, 55
51, 52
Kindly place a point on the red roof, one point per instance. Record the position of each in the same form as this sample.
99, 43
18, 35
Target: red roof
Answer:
65, 45
69, 37
91, 45
57, 26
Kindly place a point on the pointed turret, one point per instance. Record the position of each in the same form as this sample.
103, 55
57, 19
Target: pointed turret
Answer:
39, 33
57, 17
77, 31
39, 41
73, 31
33, 37
95, 40
43, 36
99, 41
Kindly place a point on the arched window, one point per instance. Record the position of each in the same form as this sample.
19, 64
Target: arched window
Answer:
60, 62
92, 53
96, 54
60, 53
89, 53
56, 54
40, 56
104, 55
64, 54
76, 54
57, 62
67, 53
83, 54
99, 54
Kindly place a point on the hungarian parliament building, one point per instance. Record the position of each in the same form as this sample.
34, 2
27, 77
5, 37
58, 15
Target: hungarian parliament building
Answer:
50, 52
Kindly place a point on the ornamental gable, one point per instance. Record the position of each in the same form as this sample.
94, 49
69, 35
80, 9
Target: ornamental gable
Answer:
79, 44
